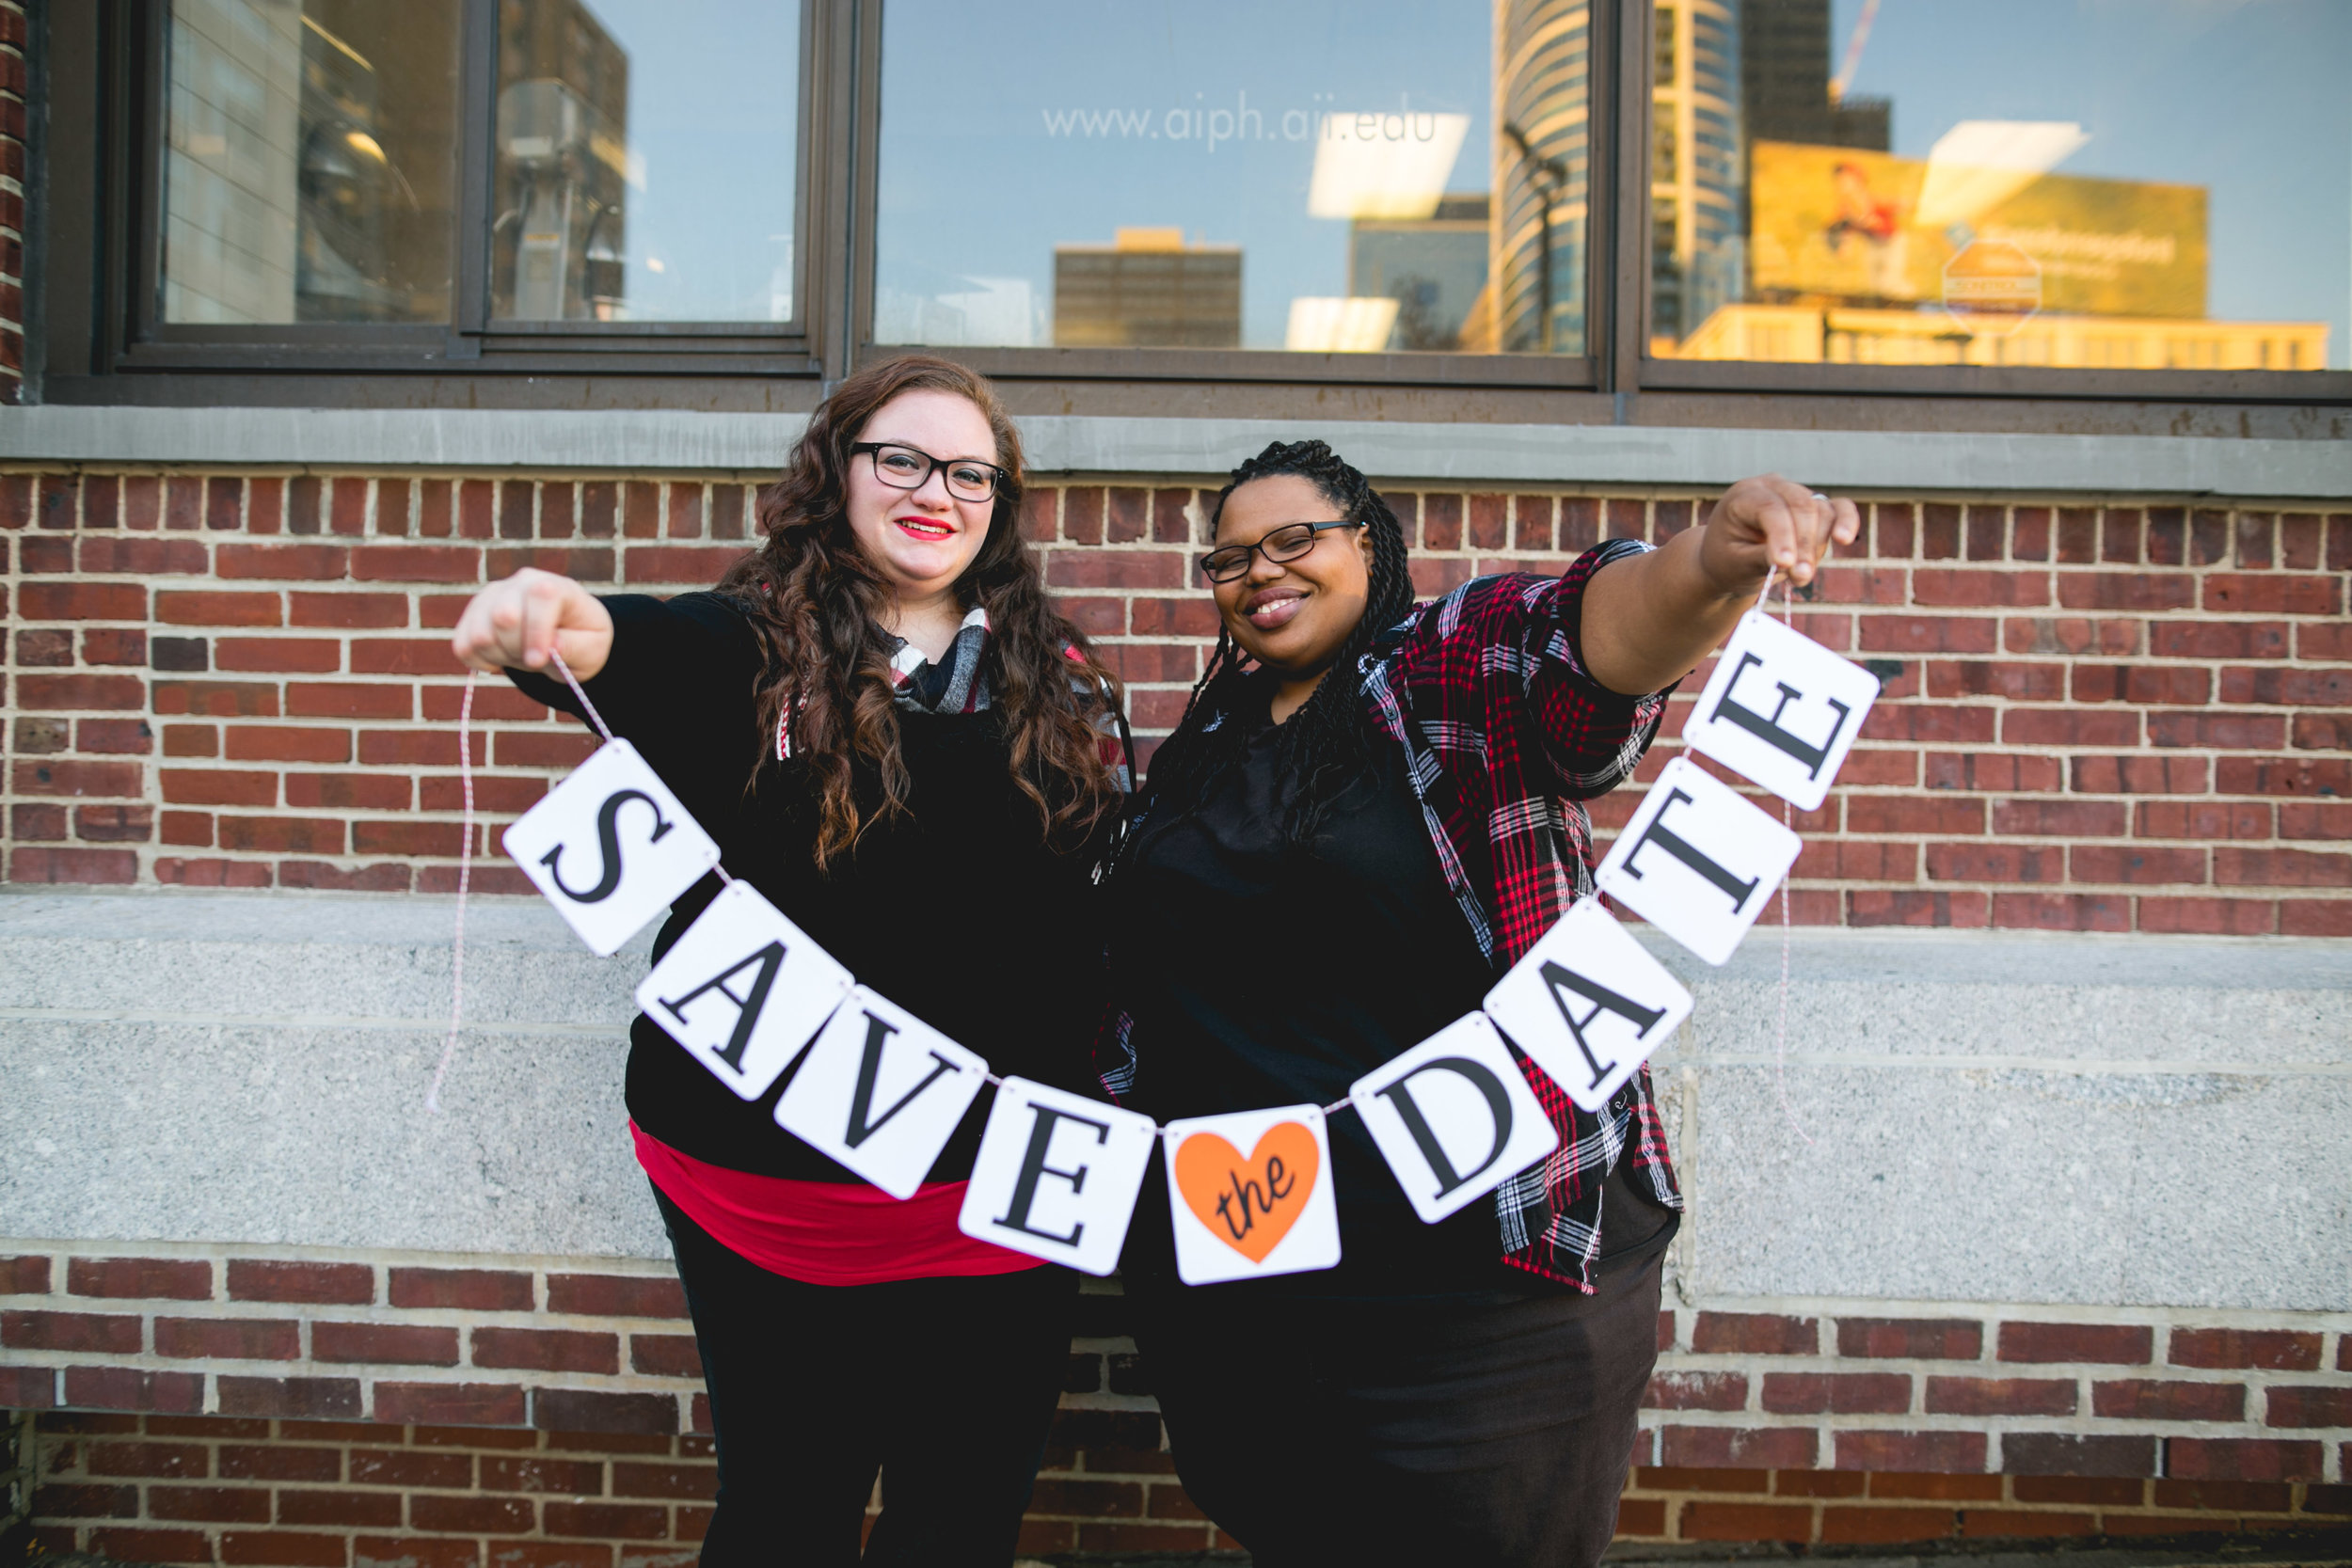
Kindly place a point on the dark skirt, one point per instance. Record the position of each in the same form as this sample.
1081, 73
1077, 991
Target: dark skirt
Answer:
1491, 1432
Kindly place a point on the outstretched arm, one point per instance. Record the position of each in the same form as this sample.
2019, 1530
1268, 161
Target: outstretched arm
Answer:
1648, 619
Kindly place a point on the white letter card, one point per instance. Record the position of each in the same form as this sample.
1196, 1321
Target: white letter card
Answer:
611, 846
1250, 1194
882, 1092
1588, 1004
1782, 710
1454, 1117
744, 990
1056, 1176
1697, 861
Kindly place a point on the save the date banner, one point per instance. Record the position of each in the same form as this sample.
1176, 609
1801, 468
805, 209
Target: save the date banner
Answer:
748, 994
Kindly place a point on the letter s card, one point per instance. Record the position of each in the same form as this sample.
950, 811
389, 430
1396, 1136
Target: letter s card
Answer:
611, 846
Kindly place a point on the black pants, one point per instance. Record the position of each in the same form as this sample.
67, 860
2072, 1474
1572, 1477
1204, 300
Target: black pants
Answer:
945, 1387
1353, 1431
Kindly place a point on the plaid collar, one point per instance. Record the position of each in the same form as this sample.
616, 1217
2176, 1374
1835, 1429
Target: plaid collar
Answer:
953, 684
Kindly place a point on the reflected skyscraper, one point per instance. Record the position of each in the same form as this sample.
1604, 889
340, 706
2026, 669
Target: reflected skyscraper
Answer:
1697, 164
1542, 179
1147, 288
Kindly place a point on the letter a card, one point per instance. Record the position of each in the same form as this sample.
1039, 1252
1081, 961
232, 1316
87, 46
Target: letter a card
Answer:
1588, 1004
1056, 1176
1781, 709
1251, 1194
611, 846
744, 990
1697, 861
1454, 1117
882, 1092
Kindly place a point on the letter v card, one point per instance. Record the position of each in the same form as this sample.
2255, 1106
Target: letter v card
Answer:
744, 990
1588, 1004
882, 1092
1454, 1117
1782, 710
1250, 1193
611, 846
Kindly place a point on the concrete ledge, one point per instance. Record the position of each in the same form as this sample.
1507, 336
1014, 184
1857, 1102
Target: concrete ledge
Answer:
678, 440
2096, 1120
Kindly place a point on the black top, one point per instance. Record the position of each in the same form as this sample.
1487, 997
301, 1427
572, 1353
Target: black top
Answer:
1259, 974
953, 911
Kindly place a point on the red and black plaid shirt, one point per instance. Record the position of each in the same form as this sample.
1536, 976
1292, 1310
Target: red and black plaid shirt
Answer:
1508, 735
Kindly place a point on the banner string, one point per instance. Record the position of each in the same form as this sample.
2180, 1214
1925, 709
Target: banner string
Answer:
1780, 1034
465, 876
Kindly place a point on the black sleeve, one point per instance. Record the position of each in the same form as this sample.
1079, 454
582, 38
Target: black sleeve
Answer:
682, 686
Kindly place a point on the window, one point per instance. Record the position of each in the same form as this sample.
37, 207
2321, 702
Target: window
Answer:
636, 163
1387, 175
1565, 202
645, 161
2044, 183
309, 162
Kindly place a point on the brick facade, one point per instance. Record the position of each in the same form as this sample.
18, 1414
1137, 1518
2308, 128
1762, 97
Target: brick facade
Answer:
233, 1405
2097, 717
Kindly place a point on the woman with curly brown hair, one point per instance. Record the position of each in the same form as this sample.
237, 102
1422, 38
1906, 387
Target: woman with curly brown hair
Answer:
895, 739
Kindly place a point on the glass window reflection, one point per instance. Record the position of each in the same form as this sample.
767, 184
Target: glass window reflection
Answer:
2076, 184
645, 161
309, 161
1401, 175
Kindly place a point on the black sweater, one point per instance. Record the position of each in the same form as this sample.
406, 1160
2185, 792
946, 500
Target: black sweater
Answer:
956, 911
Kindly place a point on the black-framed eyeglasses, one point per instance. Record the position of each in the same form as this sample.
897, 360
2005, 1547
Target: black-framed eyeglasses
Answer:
1287, 543
905, 468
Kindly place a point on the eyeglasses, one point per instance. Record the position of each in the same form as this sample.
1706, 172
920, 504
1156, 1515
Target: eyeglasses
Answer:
904, 467
1287, 543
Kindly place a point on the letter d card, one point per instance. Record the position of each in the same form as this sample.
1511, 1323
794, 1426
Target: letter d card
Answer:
1454, 1117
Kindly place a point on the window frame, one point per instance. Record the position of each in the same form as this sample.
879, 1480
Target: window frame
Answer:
471, 339
95, 248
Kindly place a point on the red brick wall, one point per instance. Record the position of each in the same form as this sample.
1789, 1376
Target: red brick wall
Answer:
2098, 717
293, 1494
247, 1406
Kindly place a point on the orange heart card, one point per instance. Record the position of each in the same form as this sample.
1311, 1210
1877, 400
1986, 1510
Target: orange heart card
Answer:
1251, 1194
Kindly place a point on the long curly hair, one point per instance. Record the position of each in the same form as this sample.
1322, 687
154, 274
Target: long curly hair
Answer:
1324, 745
818, 604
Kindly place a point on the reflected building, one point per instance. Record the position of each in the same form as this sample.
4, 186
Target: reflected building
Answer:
559, 244
1542, 180
1784, 81
1697, 164
1147, 288
1435, 268
306, 176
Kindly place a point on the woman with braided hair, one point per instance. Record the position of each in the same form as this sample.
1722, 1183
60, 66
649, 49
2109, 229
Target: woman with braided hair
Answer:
1366, 813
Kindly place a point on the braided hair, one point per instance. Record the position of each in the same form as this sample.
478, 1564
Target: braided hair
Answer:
1323, 744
